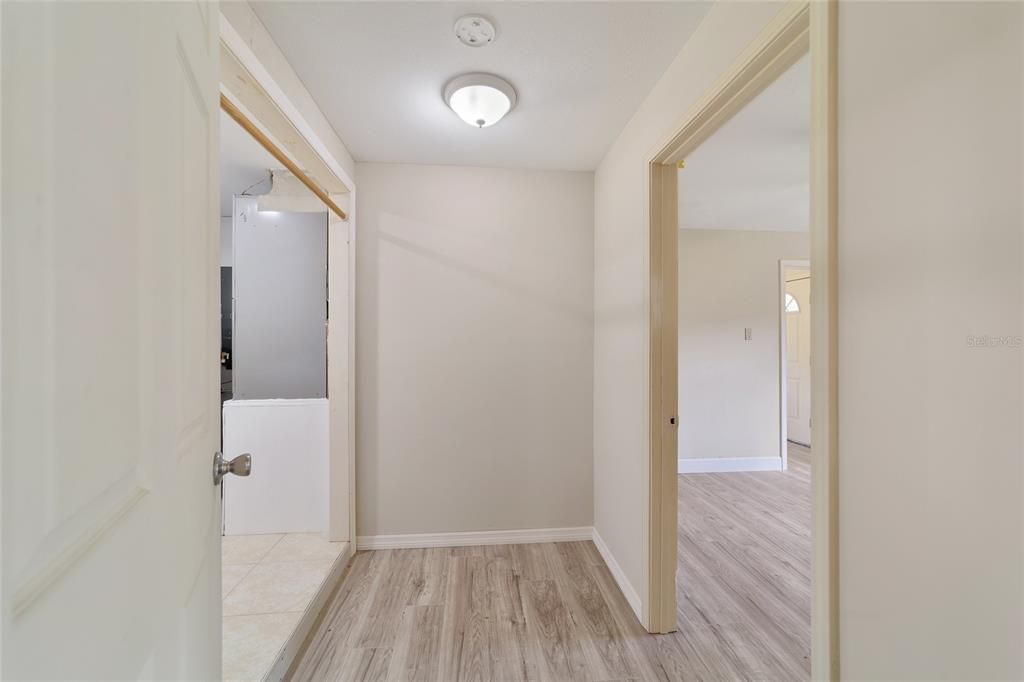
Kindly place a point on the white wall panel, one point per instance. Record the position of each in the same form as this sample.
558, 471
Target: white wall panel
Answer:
287, 489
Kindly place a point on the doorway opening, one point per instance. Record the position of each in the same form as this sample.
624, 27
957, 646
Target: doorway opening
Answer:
744, 517
276, 555
797, 29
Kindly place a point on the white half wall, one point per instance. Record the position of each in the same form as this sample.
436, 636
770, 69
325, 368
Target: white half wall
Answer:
728, 386
475, 349
621, 281
287, 489
931, 359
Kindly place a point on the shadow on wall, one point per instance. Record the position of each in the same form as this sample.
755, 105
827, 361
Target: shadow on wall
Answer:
475, 338
532, 296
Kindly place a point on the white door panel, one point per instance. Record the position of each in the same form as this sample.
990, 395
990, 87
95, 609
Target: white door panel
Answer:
793, 399
792, 338
798, 362
109, 341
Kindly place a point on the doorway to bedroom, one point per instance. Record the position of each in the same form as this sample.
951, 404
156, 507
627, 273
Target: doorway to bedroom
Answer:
744, 463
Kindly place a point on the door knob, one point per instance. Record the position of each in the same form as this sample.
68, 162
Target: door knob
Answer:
239, 466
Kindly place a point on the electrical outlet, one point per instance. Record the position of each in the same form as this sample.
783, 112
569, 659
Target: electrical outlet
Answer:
748, 333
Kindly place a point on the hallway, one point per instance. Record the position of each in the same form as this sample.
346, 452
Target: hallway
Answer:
553, 611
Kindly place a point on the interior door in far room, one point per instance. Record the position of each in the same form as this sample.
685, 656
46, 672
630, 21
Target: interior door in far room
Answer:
798, 355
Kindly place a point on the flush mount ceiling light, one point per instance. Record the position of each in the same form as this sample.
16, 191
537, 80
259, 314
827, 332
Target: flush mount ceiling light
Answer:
480, 99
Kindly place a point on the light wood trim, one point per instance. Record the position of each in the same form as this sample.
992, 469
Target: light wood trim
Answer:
241, 119
664, 260
824, 342
799, 26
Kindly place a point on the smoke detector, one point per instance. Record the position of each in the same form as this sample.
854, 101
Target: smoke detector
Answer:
474, 30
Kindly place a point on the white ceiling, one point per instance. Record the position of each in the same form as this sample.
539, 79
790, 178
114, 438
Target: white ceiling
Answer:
243, 162
753, 173
377, 70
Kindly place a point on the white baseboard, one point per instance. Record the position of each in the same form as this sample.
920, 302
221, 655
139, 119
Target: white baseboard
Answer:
465, 539
709, 465
628, 591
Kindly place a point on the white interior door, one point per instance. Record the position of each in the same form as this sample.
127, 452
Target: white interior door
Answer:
111, 561
798, 357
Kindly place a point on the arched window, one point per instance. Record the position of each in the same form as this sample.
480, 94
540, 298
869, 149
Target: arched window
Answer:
792, 305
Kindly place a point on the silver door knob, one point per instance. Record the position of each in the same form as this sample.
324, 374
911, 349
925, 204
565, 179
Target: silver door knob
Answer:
239, 466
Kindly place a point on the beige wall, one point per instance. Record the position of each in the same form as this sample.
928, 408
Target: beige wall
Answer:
621, 281
474, 349
930, 254
729, 387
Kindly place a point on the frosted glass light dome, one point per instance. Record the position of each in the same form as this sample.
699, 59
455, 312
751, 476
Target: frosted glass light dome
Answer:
480, 99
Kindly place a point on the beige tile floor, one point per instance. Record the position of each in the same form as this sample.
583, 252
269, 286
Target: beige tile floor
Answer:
267, 582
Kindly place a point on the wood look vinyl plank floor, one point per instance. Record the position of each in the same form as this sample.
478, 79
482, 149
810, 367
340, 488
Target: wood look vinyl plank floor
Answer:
552, 612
